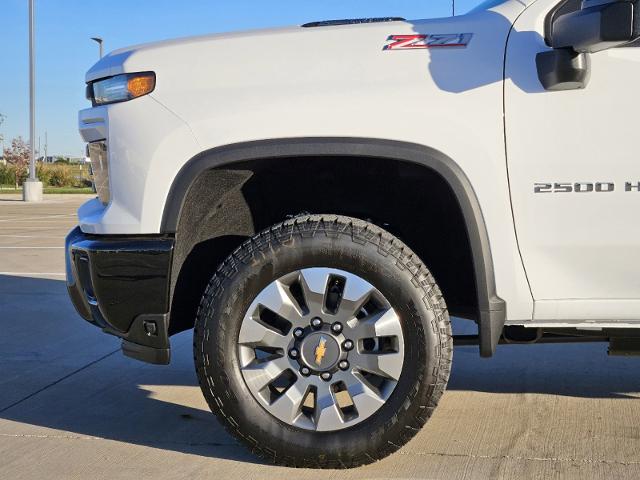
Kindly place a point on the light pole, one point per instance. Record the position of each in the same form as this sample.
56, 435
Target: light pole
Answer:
2, 117
99, 41
32, 188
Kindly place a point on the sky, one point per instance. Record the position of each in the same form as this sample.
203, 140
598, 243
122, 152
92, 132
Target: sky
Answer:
64, 51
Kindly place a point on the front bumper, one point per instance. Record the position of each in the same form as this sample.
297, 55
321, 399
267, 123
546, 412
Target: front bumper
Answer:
122, 286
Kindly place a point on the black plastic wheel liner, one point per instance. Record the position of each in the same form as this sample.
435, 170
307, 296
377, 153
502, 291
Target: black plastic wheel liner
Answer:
491, 308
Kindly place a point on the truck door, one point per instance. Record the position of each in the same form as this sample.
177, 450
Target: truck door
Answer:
574, 172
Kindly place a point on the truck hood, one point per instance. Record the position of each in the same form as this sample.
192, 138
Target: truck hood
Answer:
122, 60
146, 57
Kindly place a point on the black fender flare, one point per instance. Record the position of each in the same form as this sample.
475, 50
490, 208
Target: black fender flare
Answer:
492, 309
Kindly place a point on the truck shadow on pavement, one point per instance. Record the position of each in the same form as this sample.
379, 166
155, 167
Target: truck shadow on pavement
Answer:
108, 396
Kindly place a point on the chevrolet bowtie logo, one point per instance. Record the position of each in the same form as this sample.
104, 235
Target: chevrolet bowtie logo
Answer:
321, 350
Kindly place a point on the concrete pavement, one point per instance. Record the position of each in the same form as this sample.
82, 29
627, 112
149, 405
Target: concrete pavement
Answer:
71, 406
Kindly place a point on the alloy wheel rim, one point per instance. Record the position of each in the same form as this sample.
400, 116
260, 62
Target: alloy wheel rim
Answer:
321, 349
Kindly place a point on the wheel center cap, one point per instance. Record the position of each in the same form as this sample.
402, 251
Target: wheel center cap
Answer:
320, 351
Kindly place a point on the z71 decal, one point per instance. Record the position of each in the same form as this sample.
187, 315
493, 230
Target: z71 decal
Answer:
436, 40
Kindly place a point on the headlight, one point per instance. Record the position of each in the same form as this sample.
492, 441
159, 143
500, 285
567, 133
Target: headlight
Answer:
121, 88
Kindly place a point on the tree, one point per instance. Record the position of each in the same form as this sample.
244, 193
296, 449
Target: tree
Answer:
2, 117
18, 156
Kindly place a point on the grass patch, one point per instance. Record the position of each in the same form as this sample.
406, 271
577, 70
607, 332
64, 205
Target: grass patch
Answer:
67, 190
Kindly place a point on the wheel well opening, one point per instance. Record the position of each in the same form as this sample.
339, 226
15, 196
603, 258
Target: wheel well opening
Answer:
410, 201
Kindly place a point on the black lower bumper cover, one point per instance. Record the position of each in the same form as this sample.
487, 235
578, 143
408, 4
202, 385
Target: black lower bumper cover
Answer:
122, 286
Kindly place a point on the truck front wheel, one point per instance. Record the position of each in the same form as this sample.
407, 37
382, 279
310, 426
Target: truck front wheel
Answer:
323, 341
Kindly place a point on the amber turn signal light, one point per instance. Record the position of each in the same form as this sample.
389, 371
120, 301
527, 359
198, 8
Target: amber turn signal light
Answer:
141, 84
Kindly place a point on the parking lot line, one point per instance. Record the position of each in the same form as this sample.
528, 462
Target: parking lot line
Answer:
30, 248
29, 219
41, 227
29, 236
56, 381
28, 274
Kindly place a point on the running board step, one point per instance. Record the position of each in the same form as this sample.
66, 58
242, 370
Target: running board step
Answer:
618, 346
467, 340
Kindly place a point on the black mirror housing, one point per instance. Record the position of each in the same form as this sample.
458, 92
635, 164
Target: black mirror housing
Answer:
599, 25
563, 69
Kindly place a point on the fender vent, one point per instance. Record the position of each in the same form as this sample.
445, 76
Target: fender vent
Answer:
352, 21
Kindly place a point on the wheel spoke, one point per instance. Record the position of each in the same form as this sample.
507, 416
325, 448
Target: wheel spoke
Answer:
365, 399
260, 375
380, 324
314, 284
356, 294
277, 298
289, 405
327, 415
255, 334
387, 365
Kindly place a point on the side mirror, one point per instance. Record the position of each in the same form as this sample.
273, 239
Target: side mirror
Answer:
598, 25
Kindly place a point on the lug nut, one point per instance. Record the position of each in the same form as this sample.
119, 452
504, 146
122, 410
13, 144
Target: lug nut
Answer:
336, 327
293, 353
347, 345
316, 323
343, 365
326, 376
298, 333
305, 371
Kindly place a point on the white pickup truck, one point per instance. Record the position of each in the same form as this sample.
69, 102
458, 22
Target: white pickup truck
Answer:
318, 200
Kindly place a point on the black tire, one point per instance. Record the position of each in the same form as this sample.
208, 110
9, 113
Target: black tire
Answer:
337, 242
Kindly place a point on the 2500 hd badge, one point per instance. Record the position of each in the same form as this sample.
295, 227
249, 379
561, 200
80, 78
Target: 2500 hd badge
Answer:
584, 187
